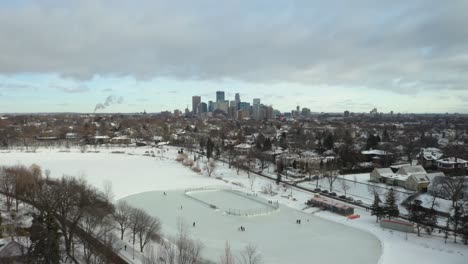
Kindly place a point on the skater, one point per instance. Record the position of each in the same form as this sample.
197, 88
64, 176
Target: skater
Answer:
181, 207
193, 224
125, 247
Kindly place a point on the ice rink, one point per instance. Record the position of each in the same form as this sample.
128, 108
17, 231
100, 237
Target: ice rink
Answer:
276, 235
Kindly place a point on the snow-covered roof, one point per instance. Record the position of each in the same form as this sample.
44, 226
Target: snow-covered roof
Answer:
430, 153
120, 138
243, 146
376, 152
101, 137
420, 178
452, 160
385, 172
13, 247
412, 170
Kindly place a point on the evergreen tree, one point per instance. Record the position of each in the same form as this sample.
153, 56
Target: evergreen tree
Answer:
416, 215
267, 145
376, 209
45, 240
391, 207
209, 149
329, 141
386, 136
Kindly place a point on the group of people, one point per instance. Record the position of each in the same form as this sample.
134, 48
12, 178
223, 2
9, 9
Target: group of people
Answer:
298, 221
242, 228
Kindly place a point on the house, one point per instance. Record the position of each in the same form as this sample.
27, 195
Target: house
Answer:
101, 139
436, 187
387, 176
121, 140
243, 148
417, 178
409, 177
452, 163
378, 175
13, 248
380, 157
71, 136
427, 157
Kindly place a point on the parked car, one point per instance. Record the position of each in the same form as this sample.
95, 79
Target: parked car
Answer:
333, 194
342, 197
317, 189
324, 191
358, 202
350, 199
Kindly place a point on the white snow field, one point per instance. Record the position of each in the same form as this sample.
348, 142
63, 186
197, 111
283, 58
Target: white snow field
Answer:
277, 236
133, 173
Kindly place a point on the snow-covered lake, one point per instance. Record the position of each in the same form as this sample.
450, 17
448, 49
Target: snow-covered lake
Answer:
133, 173
277, 236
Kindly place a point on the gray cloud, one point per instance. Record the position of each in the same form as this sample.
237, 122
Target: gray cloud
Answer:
15, 86
403, 46
71, 89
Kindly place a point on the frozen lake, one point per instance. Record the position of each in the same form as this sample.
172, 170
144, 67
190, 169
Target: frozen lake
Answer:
277, 236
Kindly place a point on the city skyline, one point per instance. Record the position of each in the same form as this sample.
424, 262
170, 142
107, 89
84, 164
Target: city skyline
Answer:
408, 57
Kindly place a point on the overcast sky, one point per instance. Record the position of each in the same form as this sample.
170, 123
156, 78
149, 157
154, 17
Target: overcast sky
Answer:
405, 56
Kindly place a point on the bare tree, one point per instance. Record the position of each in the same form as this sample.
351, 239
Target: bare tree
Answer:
96, 223
108, 191
122, 215
453, 187
148, 230
227, 257
252, 179
183, 250
331, 177
136, 218
250, 255
8, 185
344, 185
210, 167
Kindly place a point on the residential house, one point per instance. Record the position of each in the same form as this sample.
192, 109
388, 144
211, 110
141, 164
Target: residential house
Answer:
417, 178
452, 163
243, 148
427, 157
12, 249
409, 177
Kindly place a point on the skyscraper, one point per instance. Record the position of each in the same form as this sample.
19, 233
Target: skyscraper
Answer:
256, 108
196, 100
237, 99
220, 96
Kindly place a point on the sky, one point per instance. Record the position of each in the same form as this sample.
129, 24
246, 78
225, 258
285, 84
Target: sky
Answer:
329, 56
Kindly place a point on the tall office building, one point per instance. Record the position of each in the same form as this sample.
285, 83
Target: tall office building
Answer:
196, 100
203, 108
220, 96
244, 106
256, 108
211, 106
237, 99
